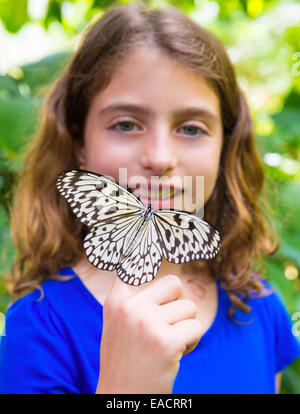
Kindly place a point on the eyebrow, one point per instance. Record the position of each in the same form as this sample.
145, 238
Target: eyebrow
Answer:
143, 110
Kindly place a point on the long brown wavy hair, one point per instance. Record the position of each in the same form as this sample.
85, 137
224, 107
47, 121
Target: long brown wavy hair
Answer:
46, 233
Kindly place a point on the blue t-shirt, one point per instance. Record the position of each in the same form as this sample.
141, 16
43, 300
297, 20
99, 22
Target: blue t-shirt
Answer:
53, 345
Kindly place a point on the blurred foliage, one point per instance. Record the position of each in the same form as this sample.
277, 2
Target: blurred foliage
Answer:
262, 38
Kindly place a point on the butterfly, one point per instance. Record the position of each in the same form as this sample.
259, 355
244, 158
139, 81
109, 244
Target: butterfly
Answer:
129, 237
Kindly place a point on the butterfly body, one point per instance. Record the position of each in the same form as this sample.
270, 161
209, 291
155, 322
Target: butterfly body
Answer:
126, 236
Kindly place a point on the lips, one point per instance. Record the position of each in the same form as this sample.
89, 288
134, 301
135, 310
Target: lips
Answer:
157, 192
160, 195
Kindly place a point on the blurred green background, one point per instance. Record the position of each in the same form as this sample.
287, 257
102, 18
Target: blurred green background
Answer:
262, 37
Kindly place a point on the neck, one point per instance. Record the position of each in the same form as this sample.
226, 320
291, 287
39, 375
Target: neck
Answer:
186, 272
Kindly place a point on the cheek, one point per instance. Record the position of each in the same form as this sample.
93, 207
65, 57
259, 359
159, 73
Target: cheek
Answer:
204, 163
104, 157
203, 160
210, 173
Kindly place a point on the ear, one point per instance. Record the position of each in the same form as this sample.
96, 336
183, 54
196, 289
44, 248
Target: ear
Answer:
79, 150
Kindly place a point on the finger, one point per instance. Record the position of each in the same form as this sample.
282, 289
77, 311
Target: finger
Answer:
177, 311
187, 333
163, 290
121, 289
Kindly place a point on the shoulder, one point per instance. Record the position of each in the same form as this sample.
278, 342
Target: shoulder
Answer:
266, 310
268, 302
41, 306
37, 323
277, 324
63, 307
36, 352
268, 298
269, 326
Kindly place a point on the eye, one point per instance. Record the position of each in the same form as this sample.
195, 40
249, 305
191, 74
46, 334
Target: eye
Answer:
192, 130
128, 126
125, 126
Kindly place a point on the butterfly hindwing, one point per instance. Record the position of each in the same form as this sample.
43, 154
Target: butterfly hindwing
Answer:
95, 198
107, 242
144, 257
185, 237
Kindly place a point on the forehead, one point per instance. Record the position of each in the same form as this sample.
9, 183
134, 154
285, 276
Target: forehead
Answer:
151, 78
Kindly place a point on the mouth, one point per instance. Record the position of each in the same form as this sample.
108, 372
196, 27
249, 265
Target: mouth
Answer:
160, 196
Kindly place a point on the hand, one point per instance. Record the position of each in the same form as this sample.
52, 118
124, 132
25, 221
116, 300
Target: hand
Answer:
146, 331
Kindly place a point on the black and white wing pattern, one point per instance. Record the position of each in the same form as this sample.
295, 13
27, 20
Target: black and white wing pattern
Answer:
111, 212
95, 198
128, 237
185, 237
144, 259
105, 244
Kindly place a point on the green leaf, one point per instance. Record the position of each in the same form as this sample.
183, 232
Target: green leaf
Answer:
186, 6
3, 290
289, 204
7, 248
44, 71
103, 4
288, 120
9, 84
290, 380
13, 14
17, 122
53, 12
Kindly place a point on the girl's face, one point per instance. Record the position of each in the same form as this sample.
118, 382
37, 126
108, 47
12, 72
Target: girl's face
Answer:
158, 118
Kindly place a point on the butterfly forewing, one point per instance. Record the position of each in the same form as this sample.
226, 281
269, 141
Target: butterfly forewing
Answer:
185, 237
95, 198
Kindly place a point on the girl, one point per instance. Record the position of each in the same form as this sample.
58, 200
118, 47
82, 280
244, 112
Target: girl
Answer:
152, 92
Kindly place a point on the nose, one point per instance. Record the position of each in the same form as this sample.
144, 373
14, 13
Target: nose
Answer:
159, 154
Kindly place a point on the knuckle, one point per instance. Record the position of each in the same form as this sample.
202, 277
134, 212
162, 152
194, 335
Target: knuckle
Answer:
175, 279
160, 342
175, 282
143, 324
198, 326
146, 321
126, 309
192, 306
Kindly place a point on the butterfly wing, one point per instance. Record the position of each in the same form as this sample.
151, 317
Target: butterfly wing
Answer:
143, 260
95, 198
105, 244
185, 237
112, 214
